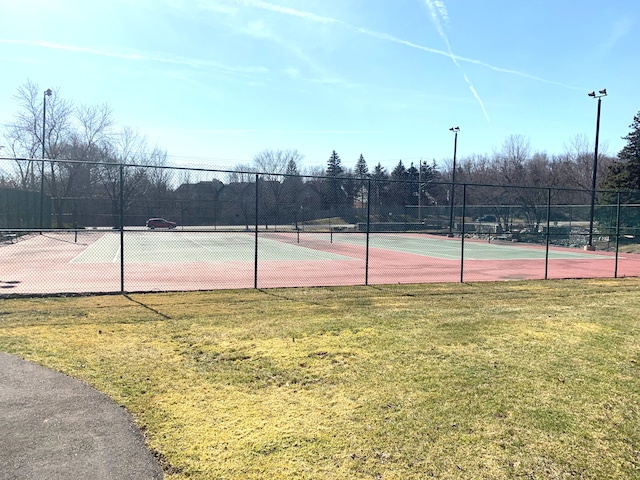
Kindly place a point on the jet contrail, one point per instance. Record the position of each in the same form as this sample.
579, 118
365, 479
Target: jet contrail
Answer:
475, 94
442, 10
438, 11
435, 51
288, 11
436, 14
436, 7
173, 60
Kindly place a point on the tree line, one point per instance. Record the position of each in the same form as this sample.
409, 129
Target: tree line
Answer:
87, 148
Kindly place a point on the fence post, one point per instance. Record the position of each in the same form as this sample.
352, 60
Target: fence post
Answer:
464, 212
255, 264
546, 254
615, 270
366, 262
121, 228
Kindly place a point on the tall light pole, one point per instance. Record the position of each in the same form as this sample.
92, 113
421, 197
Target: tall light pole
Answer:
599, 95
47, 93
420, 192
455, 130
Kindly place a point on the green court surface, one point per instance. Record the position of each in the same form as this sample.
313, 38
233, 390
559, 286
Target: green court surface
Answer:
450, 249
181, 247
177, 247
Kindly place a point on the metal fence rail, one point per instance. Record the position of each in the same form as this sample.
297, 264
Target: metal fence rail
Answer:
255, 230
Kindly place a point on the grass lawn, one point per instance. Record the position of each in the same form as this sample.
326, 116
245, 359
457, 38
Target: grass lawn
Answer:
488, 381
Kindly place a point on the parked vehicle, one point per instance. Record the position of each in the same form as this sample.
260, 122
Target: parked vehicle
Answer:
160, 223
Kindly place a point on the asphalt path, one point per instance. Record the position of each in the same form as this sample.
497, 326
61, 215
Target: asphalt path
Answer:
54, 427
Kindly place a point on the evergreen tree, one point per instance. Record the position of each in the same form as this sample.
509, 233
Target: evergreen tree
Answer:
361, 168
334, 186
401, 185
379, 173
412, 173
361, 173
379, 188
428, 190
292, 168
625, 172
334, 165
399, 172
428, 172
292, 189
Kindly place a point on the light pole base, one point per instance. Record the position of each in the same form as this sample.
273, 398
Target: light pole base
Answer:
590, 248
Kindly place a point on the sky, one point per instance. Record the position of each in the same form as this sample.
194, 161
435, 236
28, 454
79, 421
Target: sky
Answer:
216, 82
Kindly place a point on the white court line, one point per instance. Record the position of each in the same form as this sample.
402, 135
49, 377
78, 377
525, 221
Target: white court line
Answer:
315, 254
200, 245
89, 247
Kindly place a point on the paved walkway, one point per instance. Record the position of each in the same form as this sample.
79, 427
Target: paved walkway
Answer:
53, 427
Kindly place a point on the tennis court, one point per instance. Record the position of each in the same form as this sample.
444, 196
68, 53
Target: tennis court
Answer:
191, 259
449, 249
179, 247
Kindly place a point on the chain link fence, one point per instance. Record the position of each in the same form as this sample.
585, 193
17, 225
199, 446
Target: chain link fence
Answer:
92, 227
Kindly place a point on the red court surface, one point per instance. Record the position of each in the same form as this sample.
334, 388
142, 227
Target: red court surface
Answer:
42, 264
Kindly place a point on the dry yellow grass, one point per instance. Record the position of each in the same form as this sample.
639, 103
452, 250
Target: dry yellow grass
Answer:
496, 380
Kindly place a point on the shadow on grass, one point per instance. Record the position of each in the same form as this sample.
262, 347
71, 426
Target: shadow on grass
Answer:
166, 317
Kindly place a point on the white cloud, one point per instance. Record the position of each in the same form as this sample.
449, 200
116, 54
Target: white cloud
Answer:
212, 6
293, 72
258, 29
619, 30
287, 11
142, 57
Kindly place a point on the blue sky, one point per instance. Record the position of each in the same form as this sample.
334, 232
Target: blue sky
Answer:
215, 82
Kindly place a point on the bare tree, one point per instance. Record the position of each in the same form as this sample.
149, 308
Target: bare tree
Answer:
48, 127
127, 156
577, 163
273, 164
85, 142
26, 137
160, 178
242, 173
509, 163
